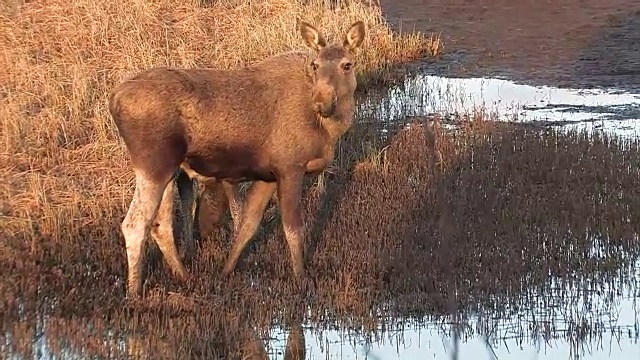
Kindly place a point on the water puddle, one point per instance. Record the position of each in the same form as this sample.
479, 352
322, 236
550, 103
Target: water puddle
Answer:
585, 321
582, 321
594, 110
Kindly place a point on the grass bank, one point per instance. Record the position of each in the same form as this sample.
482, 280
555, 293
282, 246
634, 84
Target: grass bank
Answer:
63, 166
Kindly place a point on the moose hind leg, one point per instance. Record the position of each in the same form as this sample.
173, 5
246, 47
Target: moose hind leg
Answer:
135, 226
162, 233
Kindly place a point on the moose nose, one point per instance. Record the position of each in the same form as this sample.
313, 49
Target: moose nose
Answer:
326, 108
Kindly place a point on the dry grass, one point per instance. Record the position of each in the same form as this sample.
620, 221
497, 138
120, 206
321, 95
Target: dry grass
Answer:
63, 166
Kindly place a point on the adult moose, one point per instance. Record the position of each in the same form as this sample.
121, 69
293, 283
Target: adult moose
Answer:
270, 123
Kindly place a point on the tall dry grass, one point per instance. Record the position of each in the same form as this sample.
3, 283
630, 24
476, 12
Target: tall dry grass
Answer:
64, 171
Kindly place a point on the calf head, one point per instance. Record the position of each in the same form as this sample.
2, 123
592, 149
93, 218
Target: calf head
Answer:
332, 70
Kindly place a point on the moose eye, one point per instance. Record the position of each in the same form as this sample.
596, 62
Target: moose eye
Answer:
314, 66
347, 66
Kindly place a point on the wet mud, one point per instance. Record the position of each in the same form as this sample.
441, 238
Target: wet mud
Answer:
420, 224
568, 43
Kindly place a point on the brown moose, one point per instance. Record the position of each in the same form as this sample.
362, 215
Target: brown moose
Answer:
270, 123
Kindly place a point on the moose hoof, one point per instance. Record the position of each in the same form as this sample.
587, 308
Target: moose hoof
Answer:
133, 296
134, 288
227, 270
182, 277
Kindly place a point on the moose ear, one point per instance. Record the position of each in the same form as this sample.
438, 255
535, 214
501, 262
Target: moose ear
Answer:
311, 36
354, 36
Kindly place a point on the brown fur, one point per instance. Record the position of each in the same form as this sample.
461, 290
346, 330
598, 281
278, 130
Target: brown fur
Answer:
270, 123
212, 206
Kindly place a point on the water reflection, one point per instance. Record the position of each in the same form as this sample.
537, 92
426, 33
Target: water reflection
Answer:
53, 337
582, 320
419, 95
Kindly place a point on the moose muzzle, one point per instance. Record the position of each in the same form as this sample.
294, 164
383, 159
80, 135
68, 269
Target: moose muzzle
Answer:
325, 103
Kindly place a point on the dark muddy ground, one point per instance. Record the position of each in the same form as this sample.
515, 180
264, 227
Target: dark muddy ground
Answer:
572, 43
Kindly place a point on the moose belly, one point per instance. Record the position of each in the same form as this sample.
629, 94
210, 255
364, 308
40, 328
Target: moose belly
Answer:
233, 165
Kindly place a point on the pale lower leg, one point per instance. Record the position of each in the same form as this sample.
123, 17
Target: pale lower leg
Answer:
141, 213
294, 239
289, 190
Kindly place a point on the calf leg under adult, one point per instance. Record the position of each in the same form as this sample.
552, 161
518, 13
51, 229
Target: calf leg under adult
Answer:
212, 206
135, 226
188, 202
162, 233
289, 190
257, 199
235, 203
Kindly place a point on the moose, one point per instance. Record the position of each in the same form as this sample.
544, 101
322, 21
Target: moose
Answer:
271, 123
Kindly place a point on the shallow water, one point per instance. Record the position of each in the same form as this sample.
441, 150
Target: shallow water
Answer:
611, 111
584, 320
573, 322
581, 325
578, 321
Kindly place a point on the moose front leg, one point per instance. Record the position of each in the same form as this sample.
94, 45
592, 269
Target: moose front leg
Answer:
289, 196
316, 166
252, 211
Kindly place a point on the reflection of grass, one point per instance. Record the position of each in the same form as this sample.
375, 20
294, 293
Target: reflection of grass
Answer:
370, 355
